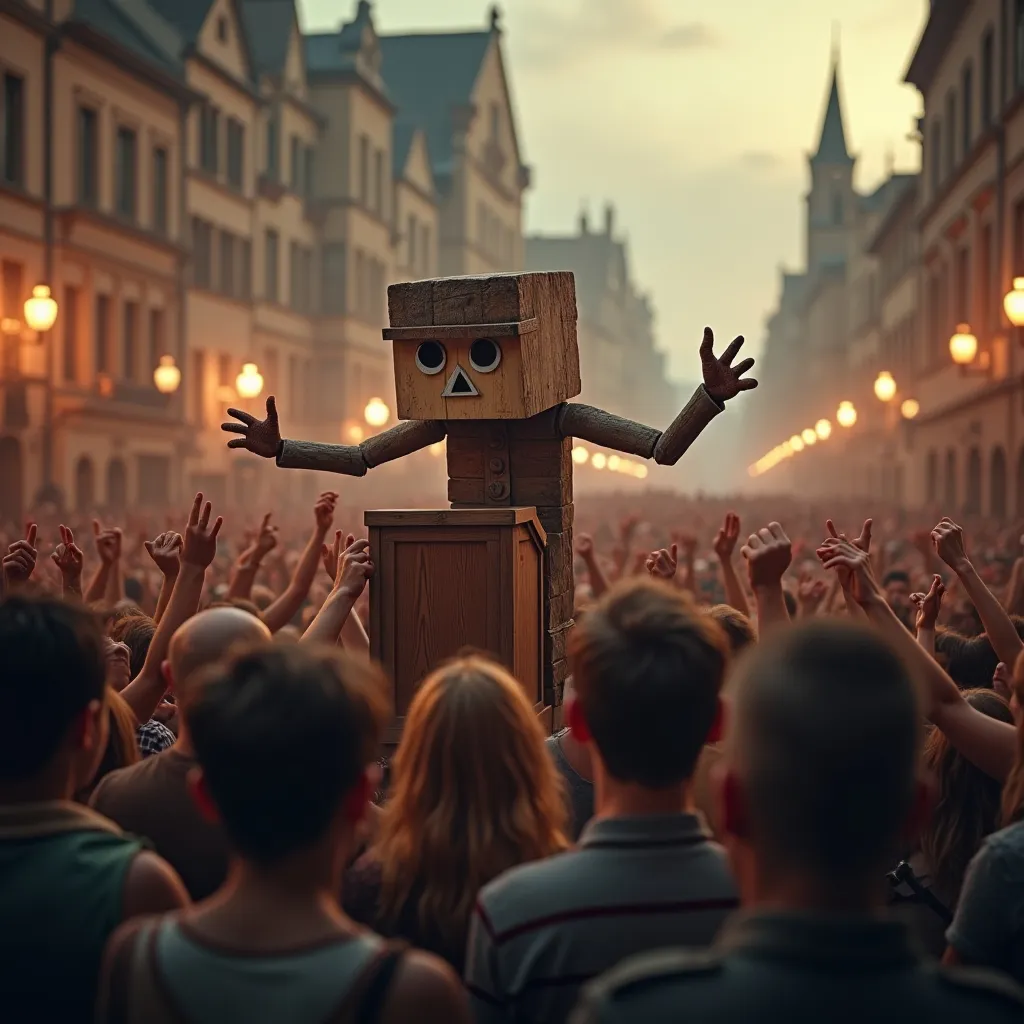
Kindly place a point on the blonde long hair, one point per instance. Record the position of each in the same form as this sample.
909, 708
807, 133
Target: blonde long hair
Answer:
474, 793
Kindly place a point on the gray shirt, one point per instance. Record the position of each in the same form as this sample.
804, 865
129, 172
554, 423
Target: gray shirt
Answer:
988, 928
578, 790
787, 968
542, 930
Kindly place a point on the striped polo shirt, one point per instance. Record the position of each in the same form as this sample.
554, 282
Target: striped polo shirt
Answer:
542, 930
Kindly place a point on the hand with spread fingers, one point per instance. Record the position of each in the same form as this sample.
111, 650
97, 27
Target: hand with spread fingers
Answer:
722, 380
69, 559
200, 543
261, 437
769, 554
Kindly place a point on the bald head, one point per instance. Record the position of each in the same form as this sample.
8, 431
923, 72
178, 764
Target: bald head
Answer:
207, 637
824, 743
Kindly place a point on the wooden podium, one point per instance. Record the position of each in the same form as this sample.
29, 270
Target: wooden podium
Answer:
451, 579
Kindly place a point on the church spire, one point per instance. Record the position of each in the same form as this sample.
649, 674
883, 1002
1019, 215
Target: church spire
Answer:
832, 148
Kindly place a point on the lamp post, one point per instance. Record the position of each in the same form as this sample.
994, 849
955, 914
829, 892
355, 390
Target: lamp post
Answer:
40, 316
249, 383
963, 348
167, 376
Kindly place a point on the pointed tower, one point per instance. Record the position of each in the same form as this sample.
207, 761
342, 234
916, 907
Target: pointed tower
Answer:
831, 201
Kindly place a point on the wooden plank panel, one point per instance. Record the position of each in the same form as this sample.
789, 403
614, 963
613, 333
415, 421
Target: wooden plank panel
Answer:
411, 303
442, 332
457, 300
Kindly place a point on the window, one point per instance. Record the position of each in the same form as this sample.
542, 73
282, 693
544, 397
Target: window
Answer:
332, 290
88, 157
987, 78
360, 283
273, 154
126, 173
197, 388
950, 132
236, 153
101, 341
202, 254
936, 143
271, 270
364, 170
160, 190
962, 285
13, 154
156, 338
984, 294
222, 29
411, 233
378, 181
130, 340
296, 163
1018, 44
69, 317
307, 167
245, 267
967, 108
227, 263
295, 276
209, 138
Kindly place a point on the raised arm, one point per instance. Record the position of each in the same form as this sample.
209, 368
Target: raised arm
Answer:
263, 438
722, 381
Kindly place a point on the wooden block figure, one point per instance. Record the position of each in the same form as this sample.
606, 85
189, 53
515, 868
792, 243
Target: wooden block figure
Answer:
491, 363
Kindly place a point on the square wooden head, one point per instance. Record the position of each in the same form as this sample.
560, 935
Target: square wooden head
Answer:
484, 348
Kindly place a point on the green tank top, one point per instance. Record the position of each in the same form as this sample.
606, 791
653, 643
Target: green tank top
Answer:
62, 876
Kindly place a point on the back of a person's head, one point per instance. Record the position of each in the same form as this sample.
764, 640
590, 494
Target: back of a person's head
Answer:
122, 747
967, 804
283, 733
52, 666
825, 738
137, 631
474, 793
647, 669
206, 638
738, 629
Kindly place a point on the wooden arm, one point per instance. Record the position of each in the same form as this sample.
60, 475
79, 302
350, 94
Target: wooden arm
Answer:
355, 459
666, 447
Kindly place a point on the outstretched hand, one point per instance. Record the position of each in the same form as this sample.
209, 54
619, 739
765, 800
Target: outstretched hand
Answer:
722, 380
261, 437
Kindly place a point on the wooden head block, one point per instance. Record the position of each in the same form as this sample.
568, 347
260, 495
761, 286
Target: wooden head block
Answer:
532, 321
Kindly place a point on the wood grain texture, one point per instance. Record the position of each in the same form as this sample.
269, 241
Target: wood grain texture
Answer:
346, 459
401, 440
559, 563
460, 332
588, 423
558, 519
411, 303
686, 428
457, 300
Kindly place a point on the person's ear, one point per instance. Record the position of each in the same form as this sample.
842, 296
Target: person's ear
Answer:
717, 731
358, 798
731, 800
165, 671
574, 718
201, 796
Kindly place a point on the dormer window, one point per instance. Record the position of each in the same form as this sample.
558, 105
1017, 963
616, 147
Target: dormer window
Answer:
222, 29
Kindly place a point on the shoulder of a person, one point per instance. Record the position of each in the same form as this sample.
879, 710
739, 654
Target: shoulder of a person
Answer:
639, 974
152, 886
426, 989
983, 984
503, 895
1009, 840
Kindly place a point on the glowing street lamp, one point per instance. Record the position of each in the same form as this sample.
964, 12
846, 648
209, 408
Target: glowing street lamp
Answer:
809, 437
885, 387
846, 415
823, 429
599, 461
249, 383
796, 442
41, 309
376, 412
1013, 303
910, 408
963, 346
167, 376
580, 455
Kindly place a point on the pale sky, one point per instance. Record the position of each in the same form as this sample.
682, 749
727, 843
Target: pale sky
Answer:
695, 120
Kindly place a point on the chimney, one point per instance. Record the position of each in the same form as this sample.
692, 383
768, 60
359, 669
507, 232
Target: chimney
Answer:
609, 219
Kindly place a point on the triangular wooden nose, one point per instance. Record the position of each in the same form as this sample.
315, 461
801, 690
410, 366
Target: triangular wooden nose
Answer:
459, 385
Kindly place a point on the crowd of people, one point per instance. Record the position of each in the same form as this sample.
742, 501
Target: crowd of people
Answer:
788, 782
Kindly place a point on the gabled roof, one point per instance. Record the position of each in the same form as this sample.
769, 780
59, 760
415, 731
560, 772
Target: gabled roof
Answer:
137, 27
268, 28
189, 16
353, 50
404, 133
832, 148
427, 75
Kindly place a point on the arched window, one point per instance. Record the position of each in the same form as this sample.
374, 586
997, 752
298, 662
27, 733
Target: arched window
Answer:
972, 499
117, 486
997, 484
949, 495
85, 485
